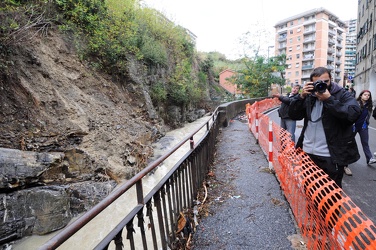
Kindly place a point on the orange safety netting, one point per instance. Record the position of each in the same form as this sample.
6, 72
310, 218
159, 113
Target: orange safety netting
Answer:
326, 216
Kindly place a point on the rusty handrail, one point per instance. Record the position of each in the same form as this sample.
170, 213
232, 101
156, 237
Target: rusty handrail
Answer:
72, 228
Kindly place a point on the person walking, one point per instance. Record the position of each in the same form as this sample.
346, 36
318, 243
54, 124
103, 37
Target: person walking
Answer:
361, 126
352, 91
287, 123
329, 111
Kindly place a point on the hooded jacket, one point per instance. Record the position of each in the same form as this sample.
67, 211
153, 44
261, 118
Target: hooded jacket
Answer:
284, 109
339, 113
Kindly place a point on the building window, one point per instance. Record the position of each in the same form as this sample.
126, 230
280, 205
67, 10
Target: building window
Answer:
297, 65
291, 32
290, 49
296, 73
290, 40
289, 66
369, 46
298, 38
292, 23
298, 47
297, 56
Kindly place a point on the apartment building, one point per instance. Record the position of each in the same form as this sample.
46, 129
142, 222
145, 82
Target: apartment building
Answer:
350, 52
365, 70
311, 39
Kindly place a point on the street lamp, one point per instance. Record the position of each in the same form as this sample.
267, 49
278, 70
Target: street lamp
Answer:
267, 84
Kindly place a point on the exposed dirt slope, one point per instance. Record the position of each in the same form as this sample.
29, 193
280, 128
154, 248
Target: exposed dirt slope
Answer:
51, 101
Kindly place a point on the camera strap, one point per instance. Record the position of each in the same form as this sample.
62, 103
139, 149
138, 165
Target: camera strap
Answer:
309, 110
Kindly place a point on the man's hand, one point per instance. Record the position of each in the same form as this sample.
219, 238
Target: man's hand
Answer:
323, 96
277, 95
307, 89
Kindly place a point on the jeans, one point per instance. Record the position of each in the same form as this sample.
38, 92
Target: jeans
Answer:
290, 126
364, 138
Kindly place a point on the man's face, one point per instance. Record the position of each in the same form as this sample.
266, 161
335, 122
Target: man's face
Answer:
324, 77
295, 90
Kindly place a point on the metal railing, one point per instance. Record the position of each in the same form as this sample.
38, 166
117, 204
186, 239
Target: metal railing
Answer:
174, 193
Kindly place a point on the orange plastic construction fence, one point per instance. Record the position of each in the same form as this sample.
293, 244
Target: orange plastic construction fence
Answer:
326, 216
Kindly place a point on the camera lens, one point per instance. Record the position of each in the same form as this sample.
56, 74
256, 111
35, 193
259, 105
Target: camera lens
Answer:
320, 86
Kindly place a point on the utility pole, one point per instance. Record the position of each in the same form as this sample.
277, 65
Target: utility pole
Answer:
267, 84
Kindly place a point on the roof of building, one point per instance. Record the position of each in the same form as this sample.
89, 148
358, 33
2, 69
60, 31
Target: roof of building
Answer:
310, 12
227, 70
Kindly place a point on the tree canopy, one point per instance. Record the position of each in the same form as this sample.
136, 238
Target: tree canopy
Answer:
259, 74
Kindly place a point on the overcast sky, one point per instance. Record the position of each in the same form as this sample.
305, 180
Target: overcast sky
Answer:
218, 25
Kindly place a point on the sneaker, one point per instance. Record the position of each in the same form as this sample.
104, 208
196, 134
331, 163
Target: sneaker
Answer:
348, 171
371, 161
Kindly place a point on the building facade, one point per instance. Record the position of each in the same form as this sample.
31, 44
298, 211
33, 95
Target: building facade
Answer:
365, 70
350, 52
309, 40
224, 81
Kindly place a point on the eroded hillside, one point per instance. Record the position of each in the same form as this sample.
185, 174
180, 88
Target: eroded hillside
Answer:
51, 101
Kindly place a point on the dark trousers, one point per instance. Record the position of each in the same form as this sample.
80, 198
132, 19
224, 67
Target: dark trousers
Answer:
364, 138
334, 171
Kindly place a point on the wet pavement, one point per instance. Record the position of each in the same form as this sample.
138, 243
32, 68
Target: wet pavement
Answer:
245, 207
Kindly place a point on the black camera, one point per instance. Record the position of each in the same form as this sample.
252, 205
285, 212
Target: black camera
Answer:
319, 86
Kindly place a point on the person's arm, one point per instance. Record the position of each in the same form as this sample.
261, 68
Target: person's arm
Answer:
346, 108
374, 113
297, 108
284, 99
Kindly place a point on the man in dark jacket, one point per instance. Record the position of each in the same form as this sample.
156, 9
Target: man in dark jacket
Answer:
283, 111
329, 111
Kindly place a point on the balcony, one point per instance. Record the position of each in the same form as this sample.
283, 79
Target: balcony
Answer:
331, 42
308, 66
309, 31
330, 51
338, 62
308, 58
330, 67
338, 45
330, 58
311, 48
309, 40
309, 21
332, 32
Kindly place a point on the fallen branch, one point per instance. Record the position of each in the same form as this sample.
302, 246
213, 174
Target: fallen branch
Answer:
206, 193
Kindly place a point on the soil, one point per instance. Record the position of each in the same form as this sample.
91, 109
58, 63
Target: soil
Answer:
52, 101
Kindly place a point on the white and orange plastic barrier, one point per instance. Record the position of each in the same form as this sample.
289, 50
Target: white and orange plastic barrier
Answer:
326, 216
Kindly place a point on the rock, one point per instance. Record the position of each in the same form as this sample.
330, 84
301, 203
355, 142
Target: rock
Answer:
23, 168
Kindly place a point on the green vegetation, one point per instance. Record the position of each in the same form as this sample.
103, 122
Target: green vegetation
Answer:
259, 74
109, 32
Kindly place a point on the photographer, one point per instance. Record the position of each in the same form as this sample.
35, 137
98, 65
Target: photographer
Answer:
329, 111
287, 123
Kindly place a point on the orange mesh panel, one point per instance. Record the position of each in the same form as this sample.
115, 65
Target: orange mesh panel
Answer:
264, 132
326, 216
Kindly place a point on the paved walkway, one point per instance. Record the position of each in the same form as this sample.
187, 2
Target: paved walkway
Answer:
245, 206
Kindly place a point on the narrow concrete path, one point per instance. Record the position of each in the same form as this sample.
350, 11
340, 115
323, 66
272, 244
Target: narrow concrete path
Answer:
246, 208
